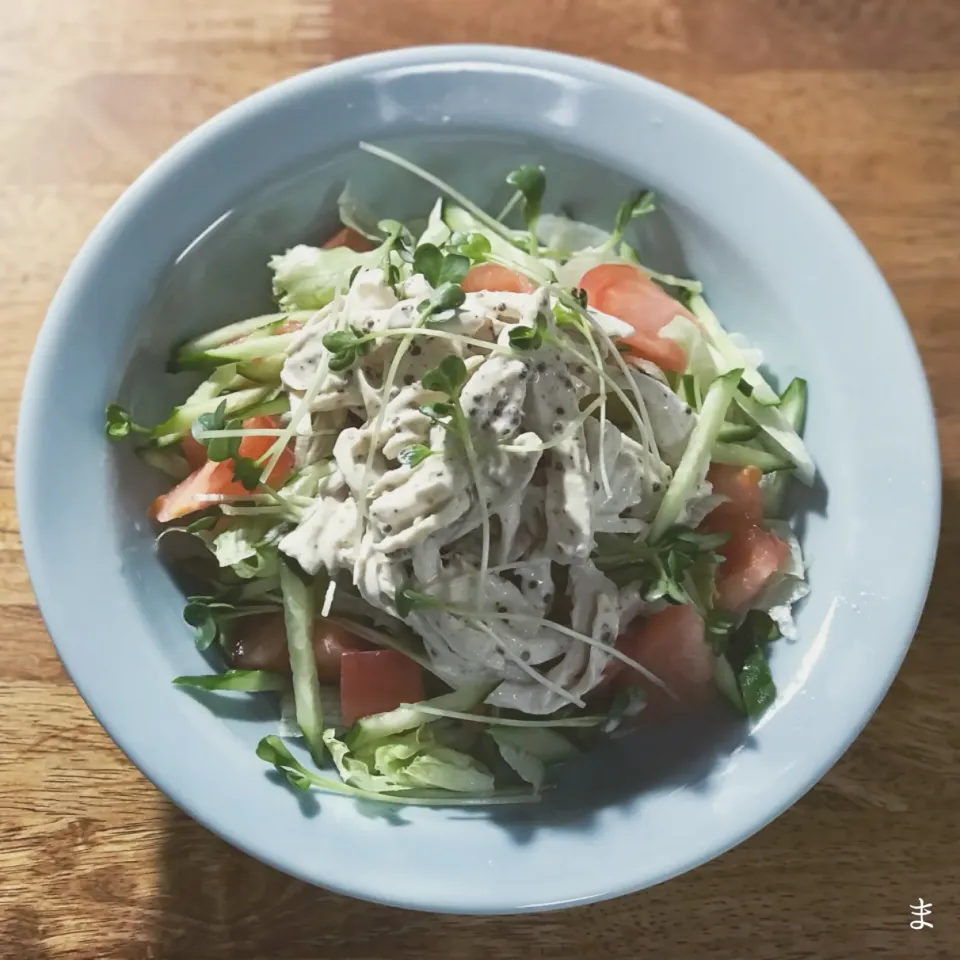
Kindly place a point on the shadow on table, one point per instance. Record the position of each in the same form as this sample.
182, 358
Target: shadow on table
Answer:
217, 902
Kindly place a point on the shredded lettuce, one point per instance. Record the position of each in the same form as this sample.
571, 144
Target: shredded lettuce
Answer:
562, 235
408, 761
436, 230
307, 278
242, 548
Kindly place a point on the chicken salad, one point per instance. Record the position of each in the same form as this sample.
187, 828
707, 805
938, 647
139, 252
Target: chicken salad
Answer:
476, 496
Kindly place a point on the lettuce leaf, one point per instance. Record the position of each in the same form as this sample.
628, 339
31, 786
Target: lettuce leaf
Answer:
409, 761
242, 548
562, 235
436, 231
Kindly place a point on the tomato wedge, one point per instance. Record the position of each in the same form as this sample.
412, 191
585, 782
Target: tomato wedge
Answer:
260, 643
626, 292
330, 643
671, 645
217, 477
493, 277
348, 237
194, 451
374, 681
752, 555
741, 485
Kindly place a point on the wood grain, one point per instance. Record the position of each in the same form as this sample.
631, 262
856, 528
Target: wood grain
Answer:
863, 96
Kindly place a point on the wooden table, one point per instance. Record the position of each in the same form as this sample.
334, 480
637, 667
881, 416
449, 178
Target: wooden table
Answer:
863, 96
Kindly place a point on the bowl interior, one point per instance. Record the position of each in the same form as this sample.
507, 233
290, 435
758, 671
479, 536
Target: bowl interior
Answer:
778, 266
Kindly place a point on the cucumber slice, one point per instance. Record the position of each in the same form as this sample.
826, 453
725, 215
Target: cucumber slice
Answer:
253, 349
793, 407
763, 393
178, 424
263, 369
269, 408
688, 391
793, 403
737, 432
779, 435
298, 615
696, 457
740, 455
460, 221
231, 332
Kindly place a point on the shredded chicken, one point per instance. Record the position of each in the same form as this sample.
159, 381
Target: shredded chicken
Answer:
541, 461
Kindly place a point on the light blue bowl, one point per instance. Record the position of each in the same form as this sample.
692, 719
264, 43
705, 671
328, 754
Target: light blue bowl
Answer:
778, 264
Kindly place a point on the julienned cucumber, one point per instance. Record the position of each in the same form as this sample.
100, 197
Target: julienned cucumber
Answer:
232, 332
696, 457
721, 341
298, 615
737, 432
254, 348
793, 407
779, 434
262, 369
460, 221
740, 455
177, 426
793, 403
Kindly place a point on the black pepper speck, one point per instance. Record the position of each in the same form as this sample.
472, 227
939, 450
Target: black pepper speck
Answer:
416, 350
656, 486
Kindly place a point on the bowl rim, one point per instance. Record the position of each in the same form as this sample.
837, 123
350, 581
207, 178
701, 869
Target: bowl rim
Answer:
58, 320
